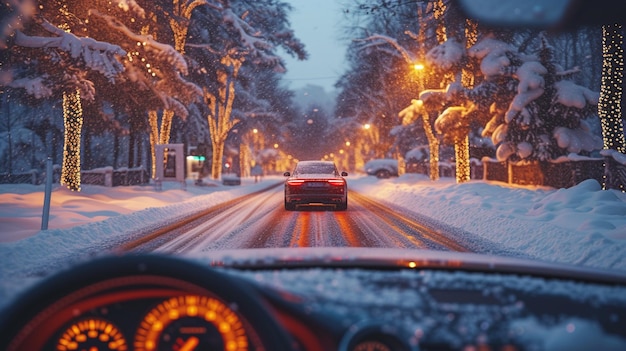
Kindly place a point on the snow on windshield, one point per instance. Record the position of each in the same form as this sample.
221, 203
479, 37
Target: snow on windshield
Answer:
414, 302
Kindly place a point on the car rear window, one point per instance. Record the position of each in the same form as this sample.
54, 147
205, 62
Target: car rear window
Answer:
316, 168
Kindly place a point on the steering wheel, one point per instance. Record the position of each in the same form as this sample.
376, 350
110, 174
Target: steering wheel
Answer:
25, 324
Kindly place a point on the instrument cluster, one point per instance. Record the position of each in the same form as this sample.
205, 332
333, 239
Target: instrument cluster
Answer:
140, 313
150, 303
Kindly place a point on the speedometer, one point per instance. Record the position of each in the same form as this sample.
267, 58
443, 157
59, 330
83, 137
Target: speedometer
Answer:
191, 322
91, 334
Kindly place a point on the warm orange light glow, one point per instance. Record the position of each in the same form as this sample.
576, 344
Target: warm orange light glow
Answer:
418, 66
215, 313
94, 330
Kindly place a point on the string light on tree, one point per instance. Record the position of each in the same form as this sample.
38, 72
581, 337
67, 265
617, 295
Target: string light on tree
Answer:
461, 141
609, 106
73, 123
611, 92
438, 11
154, 137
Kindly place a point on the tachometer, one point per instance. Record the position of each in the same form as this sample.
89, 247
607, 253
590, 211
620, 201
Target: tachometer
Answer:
92, 334
191, 322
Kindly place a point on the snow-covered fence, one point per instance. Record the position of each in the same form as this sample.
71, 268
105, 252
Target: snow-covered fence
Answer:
569, 173
556, 174
494, 170
446, 169
130, 176
415, 166
99, 176
615, 170
526, 173
476, 169
107, 176
30, 177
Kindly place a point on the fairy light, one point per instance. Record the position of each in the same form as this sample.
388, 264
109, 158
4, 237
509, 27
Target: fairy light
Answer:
461, 141
609, 106
438, 11
73, 123
471, 36
461, 150
166, 126
182, 9
471, 33
433, 142
154, 138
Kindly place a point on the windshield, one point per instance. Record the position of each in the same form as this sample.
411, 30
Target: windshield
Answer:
119, 119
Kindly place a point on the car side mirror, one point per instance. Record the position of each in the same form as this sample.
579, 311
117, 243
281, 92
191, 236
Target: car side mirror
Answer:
344, 174
287, 174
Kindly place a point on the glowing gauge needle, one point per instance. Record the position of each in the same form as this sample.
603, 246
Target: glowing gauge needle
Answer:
190, 344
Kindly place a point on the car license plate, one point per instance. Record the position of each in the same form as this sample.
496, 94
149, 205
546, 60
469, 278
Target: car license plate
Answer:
316, 184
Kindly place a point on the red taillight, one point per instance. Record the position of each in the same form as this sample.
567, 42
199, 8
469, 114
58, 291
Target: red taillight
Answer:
335, 181
295, 182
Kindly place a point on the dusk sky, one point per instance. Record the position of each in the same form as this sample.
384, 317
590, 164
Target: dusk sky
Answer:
317, 25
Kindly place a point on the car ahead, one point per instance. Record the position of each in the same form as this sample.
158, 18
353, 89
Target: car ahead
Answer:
382, 168
319, 299
316, 183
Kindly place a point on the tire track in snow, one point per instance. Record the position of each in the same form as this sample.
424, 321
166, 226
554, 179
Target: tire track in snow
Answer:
260, 221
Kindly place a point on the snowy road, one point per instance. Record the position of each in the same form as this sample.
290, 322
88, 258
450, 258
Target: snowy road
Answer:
259, 220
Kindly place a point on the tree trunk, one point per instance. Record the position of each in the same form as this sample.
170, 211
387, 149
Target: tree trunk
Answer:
218, 154
73, 122
461, 153
610, 106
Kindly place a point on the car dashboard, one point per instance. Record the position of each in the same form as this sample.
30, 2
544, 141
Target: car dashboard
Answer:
166, 303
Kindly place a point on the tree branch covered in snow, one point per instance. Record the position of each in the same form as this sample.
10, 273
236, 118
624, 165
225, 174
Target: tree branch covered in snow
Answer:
378, 40
161, 51
96, 55
33, 86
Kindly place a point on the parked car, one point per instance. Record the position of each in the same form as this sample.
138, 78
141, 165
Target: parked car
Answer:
382, 168
316, 183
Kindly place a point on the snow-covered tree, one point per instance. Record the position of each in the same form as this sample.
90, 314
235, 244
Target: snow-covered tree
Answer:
380, 81
229, 34
56, 66
74, 37
546, 117
526, 103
